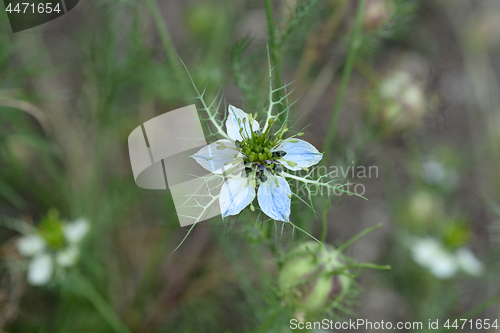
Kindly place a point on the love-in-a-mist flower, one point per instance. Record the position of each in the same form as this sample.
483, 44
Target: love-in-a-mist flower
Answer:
52, 246
260, 157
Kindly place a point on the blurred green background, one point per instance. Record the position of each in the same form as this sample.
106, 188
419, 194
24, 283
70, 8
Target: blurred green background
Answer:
422, 106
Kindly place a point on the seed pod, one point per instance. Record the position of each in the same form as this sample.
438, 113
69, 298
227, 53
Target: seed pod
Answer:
308, 280
402, 102
376, 14
201, 20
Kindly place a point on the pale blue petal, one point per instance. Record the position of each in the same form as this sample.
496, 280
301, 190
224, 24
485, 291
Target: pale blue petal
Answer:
215, 160
275, 200
301, 152
232, 126
235, 195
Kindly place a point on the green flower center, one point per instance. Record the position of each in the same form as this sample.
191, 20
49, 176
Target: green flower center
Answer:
257, 146
51, 230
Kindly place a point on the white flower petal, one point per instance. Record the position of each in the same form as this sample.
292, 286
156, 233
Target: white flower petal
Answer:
431, 254
443, 266
424, 249
217, 158
232, 126
275, 200
76, 230
301, 152
433, 172
30, 245
469, 263
68, 256
235, 195
40, 269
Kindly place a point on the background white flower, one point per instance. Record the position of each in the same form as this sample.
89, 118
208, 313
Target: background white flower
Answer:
45, 255
435, 173
442, 262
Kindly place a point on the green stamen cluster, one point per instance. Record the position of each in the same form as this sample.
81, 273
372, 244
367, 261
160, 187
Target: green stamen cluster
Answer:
256, 146
51, 230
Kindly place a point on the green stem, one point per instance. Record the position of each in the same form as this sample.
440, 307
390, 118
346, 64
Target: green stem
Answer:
325, 224
106, 311
358, 236
269, 322
368, 265
360, 265
168, 45
272, 242
483, 306
477, 310
351, 56
275, 54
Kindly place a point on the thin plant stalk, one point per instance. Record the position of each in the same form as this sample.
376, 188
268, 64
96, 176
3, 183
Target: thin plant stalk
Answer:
105, 310
168, 45
324, 231
477, 310
358, 236
351, 56
275, 51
